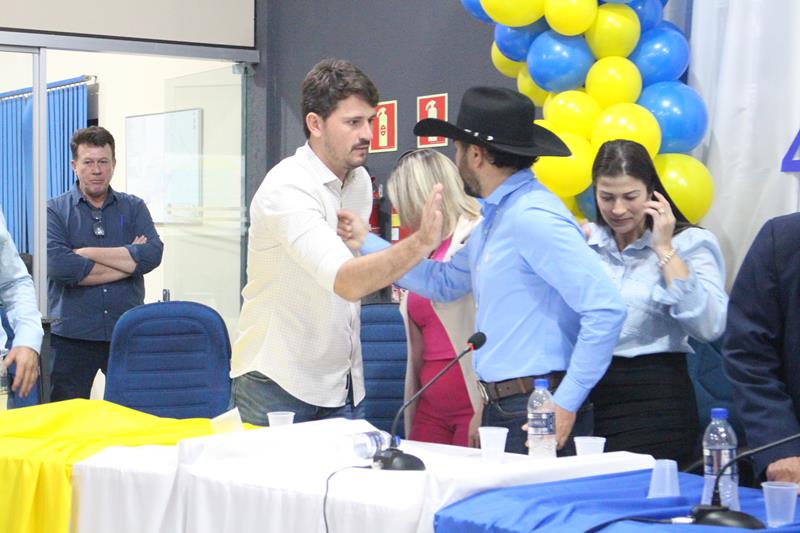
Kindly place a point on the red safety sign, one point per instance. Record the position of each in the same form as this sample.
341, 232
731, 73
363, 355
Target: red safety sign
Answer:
432, 106
384, 128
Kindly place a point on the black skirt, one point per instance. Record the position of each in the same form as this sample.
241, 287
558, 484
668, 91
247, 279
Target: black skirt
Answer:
646, 404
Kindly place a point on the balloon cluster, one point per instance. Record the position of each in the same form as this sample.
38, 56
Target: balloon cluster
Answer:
601, 71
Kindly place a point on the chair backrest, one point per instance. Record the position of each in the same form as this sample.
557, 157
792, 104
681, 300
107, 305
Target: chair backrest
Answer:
711, 385
383, 345
170, 359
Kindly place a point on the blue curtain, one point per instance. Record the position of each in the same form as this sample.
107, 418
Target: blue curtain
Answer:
66, 112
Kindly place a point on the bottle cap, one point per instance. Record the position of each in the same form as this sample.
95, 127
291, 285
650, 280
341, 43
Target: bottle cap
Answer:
541, 383
720, 413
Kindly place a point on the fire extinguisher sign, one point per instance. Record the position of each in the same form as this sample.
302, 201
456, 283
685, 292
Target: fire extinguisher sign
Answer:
432, 106
384, 128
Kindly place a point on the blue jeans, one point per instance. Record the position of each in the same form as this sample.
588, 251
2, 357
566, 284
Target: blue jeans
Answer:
256, 395
75, 364
512, 413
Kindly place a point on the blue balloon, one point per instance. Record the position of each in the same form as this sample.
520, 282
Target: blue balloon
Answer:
557, 62
475, 9
669, 24
664, 2
586, 203
616, 1
514, 43
681, 113
649, 13
661, 55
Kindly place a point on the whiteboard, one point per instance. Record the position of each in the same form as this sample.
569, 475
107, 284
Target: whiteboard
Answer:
164, 162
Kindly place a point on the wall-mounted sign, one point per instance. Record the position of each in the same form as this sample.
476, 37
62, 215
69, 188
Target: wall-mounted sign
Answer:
432, 106
384, 128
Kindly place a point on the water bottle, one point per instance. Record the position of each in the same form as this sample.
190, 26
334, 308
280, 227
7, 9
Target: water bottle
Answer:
719, 447
367, 444
541, 422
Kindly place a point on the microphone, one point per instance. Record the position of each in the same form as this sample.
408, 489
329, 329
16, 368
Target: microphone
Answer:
720, 515
393, 458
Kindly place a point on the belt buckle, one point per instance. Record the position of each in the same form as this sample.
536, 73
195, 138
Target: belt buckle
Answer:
484, 393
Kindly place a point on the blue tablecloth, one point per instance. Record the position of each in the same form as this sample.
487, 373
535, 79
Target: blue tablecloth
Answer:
580, 504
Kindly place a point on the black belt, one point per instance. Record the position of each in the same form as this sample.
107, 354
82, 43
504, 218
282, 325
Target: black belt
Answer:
498, 390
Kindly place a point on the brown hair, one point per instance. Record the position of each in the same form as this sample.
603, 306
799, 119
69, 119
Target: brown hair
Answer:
331, 81
622, 157
94, 136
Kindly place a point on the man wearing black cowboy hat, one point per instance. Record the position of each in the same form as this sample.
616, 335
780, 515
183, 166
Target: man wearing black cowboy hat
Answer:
542, 297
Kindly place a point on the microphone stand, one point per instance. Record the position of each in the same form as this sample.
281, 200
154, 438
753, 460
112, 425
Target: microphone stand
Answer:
393, 458
720, 515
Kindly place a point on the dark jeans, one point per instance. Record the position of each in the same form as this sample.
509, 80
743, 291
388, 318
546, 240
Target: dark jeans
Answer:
256, 395
512, 413
75, 364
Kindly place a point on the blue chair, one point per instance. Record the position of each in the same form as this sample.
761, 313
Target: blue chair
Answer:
170, 359
711, 385
713, 389
383, 346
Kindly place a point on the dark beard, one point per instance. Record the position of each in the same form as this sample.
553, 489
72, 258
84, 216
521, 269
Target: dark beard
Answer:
470, 191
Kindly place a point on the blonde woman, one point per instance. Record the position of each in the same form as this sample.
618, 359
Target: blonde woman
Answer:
450, 411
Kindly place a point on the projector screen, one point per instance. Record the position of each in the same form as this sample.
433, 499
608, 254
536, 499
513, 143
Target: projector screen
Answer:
207, 22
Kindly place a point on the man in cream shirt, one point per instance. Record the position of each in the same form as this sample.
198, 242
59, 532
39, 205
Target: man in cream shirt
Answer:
298, 346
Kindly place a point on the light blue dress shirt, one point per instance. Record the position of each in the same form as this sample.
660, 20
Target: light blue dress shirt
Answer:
17, 295
542, 297
661, 318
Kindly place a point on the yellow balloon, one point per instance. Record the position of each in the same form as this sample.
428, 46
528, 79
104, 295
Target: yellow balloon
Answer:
627, 121
613, 80
504, 65
614, 32
546, 124
568, 201
528, 87
688, 182
572, 205
567, 176
570, 17
514, 12
572, 112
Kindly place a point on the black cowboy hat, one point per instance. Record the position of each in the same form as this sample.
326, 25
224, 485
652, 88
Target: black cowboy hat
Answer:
497, 118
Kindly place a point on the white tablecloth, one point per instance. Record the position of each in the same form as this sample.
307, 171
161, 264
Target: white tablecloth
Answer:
273, 479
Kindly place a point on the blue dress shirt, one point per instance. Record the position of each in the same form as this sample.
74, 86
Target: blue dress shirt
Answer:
90, 312
17, 296
661, 318
542, 297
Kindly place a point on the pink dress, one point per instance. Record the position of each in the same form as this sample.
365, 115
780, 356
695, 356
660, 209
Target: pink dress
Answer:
443, 411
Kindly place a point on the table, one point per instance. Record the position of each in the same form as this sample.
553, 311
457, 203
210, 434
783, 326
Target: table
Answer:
274, 479
580, 504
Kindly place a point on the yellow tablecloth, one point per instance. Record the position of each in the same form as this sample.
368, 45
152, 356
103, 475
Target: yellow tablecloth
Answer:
39, 445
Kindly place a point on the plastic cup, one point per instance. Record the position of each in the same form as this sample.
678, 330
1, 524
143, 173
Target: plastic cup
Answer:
664, 481
493, 443
280, 418
780, 500
227, 422
589, 445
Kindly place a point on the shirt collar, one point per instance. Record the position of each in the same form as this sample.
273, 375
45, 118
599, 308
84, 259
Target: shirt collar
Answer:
76, 195
511, 184
602, 237
318, 168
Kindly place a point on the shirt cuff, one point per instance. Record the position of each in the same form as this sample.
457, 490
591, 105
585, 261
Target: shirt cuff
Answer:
134, 251
570, 395
373, 244
681, 291
29, 339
